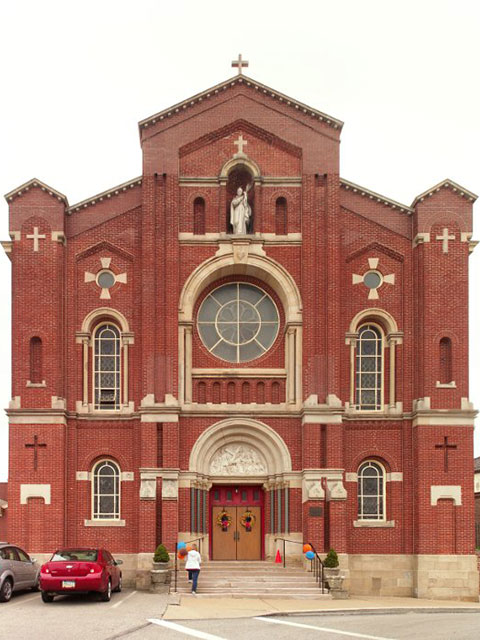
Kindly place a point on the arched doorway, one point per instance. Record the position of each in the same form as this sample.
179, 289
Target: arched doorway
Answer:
239, 458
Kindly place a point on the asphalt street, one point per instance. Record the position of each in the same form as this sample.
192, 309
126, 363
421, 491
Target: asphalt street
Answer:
133, 615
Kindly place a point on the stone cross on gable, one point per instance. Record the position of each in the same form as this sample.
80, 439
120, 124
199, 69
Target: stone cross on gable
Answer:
445, 238
36, 237
240, 143
239, 63
35, 445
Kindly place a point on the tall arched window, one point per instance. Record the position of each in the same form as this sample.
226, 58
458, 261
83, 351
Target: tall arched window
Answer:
199, 216
369, 369
107, 368
281, 217
36, 360
371, 491
445, 361
106, 491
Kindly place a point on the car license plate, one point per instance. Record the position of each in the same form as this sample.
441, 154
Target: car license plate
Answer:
68, 584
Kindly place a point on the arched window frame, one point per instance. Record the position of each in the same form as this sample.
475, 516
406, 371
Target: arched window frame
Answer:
36, 365
114, 513
281, 215
378, 371
85, 337
199, 215
391, 338
99, 371
446, 378
364, 512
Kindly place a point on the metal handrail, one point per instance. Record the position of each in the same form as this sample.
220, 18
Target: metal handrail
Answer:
199, 540
316, 565
284, 540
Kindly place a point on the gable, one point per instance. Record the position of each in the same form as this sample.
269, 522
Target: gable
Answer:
298, 127
241, 139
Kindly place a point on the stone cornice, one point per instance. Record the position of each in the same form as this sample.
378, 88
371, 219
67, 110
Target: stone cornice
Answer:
239, 80
35, 183
448, 184
105, 195
372, 195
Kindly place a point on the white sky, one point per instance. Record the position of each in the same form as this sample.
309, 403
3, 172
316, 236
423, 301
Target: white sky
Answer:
77, 77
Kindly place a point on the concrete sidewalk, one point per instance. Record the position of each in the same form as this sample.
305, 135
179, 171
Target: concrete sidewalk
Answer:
188, 607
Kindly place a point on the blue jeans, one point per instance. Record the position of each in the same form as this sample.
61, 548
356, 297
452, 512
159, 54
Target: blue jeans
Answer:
193, 576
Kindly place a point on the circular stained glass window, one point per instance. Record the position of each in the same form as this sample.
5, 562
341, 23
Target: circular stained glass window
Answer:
372, 279
106, 279
238, 322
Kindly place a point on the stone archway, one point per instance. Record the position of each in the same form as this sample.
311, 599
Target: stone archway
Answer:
240, 447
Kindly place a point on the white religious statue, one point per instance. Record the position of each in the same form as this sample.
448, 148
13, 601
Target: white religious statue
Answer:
240, 211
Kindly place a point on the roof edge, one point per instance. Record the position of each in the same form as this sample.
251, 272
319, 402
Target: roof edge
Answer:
372, 195
35, 182
240, 79
449, 184
100, 197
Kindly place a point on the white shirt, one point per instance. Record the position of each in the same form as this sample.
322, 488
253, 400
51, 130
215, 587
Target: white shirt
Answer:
194, 560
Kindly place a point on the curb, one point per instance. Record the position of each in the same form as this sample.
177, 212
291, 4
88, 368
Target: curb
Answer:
374, 611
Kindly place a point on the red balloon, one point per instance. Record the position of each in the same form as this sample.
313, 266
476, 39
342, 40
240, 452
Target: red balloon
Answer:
182, 552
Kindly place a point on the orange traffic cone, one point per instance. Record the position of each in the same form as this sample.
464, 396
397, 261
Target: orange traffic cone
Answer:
278, 557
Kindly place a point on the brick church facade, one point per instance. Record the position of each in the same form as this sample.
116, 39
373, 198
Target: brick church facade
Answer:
239, 345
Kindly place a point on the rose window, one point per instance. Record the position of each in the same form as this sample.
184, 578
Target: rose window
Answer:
238, 322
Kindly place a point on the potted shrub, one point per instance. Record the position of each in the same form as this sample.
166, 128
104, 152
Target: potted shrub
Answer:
160, 574
331, 564
161, 558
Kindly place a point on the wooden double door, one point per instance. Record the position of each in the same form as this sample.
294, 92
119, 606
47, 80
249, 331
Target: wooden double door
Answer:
236, 523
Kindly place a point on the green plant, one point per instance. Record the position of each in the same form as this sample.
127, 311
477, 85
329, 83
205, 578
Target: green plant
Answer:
161, 554
331, 560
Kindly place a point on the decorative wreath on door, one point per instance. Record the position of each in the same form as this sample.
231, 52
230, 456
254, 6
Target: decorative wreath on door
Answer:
247, 520
224, 520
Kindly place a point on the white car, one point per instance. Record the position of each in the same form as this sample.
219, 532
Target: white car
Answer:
17, 571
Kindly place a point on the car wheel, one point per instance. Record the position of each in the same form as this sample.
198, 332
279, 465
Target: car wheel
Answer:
6, 590
119, 585
46, 597
107, 594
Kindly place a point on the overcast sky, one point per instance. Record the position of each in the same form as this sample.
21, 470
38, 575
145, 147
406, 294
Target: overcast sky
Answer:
77, 77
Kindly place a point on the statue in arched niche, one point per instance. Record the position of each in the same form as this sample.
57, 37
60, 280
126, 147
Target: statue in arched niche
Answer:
240, 211
240, 201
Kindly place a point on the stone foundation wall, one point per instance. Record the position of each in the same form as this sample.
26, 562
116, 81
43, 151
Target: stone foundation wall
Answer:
441, 577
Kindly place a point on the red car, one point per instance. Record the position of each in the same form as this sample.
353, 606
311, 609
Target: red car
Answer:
80, 571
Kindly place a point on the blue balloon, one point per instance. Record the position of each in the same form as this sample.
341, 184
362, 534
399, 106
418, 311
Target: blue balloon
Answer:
180, 545
310, 555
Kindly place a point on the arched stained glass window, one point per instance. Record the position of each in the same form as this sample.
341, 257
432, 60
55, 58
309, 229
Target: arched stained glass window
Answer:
371, 491
106, 491
369, 369
107, 368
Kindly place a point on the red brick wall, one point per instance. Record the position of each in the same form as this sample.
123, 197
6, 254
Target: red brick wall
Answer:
138, 228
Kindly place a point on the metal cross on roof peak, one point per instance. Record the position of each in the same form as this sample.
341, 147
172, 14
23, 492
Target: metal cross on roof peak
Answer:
240, 64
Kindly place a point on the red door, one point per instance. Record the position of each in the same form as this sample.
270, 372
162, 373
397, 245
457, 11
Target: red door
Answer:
236, 523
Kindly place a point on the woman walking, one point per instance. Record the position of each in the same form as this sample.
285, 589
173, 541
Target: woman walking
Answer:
194, 560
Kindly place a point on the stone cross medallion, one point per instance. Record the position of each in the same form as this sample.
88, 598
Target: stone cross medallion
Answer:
35, 236
445, 238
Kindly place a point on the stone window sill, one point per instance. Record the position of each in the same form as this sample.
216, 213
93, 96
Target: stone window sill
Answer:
374, 524
104, 523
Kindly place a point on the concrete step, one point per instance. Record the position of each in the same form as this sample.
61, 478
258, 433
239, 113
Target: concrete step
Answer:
254, 579
297, 596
